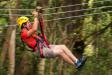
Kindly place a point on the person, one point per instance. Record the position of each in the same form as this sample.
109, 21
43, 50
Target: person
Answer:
39, 45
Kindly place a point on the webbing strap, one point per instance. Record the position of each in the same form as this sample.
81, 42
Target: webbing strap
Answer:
40, 49
42, 30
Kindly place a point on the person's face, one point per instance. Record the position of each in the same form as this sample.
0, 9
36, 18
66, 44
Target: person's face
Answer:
28, 24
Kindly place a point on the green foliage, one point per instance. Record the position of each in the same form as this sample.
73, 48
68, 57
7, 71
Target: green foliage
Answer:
89, 50
100, 51
3, 21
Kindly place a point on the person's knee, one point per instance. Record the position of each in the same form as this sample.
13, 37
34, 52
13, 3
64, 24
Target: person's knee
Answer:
62, 46
60, 52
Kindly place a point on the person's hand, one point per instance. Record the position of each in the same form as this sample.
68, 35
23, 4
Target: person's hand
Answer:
35, 13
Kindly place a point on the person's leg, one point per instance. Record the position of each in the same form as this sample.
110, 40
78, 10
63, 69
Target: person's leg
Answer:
66, 58
57, 51
68, 52
61, 51
76, 62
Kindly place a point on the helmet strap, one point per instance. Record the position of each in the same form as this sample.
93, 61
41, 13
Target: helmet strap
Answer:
23, 25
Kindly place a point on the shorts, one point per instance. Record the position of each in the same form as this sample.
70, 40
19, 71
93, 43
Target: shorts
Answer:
49, 52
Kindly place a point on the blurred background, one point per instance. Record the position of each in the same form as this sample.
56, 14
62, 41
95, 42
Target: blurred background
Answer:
84, 26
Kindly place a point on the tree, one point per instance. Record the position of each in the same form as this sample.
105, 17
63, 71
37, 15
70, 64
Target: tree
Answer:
9, 42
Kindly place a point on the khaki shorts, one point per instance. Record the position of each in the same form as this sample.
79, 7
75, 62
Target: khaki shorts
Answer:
49, 52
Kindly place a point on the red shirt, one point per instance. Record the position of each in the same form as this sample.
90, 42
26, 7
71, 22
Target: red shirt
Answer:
30, 41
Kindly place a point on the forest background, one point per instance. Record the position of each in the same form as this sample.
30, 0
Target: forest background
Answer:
82, 25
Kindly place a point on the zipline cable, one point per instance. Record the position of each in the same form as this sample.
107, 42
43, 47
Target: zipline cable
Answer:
79, 16
78, 10
57, 7
68, 17
102, 7
76, 4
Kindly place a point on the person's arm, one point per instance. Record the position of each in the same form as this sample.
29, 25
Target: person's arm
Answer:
35, 24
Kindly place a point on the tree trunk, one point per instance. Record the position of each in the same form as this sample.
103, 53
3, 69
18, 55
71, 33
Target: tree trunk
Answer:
41, 64
41, 67
25, 66
12, 54
51, 67
9, 42
11, 51
60, 66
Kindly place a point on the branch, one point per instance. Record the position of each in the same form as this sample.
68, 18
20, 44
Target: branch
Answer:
98, 33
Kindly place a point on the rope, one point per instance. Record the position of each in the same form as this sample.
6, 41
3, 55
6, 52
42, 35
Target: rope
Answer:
56, 7
78, 10
78, 16
76, 4
61, 12
67, 17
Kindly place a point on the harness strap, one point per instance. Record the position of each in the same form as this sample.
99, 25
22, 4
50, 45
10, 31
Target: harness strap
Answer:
37, 45
29, 46
40, 43
42, 31
40, 49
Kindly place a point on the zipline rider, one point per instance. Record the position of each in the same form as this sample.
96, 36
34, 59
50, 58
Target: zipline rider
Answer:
39, 43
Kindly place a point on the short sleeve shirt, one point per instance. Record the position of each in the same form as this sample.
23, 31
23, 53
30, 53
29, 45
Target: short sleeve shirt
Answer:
29, 40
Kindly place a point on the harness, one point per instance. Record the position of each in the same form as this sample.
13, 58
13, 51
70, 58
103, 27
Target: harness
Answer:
41, 23
39, 44
40, 40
